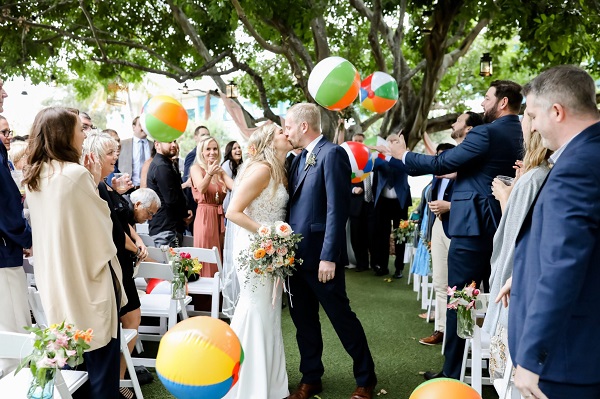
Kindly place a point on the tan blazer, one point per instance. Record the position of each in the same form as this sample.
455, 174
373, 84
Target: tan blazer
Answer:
72, 240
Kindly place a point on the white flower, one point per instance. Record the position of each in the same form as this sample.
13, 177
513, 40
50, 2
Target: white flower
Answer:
311, 161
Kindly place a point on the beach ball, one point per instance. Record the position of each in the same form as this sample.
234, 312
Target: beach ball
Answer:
164, 118
334, 83
199, 358
378, 92
446, 388
361, 160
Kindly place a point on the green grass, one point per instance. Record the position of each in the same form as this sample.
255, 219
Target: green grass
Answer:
388, 312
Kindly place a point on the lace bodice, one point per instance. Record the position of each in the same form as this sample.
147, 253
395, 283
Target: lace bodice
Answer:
270, 206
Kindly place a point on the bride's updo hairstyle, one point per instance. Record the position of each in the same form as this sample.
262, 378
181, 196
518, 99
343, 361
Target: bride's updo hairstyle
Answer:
260, 150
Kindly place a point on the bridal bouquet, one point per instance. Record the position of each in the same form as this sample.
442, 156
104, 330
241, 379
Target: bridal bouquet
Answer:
272, 252
404, 231
54, 348
464, 303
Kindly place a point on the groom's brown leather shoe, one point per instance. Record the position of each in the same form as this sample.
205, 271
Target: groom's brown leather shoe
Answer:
363, 392
306, 391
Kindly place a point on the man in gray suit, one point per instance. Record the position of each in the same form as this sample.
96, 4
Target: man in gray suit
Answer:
134, 152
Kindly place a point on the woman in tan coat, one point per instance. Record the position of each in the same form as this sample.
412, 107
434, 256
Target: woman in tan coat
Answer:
76, 268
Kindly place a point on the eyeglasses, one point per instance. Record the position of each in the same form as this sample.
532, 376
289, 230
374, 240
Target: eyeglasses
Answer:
150, 214
87, 127
6, 132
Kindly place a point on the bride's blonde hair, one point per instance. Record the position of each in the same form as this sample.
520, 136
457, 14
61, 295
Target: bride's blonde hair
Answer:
260, 150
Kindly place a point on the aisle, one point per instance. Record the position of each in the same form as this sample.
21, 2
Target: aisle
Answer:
388, 312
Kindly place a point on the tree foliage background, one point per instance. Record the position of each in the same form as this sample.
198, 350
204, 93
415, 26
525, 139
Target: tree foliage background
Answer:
430, 47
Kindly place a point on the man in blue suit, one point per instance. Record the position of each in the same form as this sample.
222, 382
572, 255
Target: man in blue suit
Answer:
554, 302
392, 199
489, 150
319, 184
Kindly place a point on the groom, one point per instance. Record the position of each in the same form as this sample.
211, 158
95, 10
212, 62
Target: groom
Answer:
319, 184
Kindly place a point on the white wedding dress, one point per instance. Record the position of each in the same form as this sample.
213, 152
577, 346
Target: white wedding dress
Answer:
257, 319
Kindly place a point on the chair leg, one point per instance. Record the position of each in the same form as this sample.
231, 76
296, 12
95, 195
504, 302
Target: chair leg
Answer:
464, 361
61, 386
132, 375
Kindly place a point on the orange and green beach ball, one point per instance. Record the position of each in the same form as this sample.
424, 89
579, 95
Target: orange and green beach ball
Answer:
164, 118
334, 83
444, 388
199, 358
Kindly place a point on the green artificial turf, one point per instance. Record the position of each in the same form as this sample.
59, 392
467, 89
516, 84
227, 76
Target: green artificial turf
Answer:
388, 312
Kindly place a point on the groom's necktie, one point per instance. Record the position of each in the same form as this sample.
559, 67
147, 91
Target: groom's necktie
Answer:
301, 163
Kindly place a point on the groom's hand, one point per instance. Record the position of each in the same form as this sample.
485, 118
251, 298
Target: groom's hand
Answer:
326, 271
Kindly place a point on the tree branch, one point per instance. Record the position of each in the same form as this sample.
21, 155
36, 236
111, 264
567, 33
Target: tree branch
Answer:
369, 121
451, 58
373, 37
363, 10
420, 66
244, 18
89, 19
126, 43
260, 85
319, 32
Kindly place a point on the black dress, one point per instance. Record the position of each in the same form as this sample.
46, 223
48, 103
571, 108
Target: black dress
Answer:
120, 214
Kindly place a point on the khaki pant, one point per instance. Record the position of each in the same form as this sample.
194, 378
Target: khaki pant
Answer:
439, 261
14, 308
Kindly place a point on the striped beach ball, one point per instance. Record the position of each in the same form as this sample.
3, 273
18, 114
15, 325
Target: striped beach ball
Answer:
361, 160
446, 388
378, 92
334, 83
164, 118
199, 358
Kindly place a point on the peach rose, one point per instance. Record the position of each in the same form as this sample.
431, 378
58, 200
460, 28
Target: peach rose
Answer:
264, 231
283, 229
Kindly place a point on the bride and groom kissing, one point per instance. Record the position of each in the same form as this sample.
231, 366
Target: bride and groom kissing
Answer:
314, 197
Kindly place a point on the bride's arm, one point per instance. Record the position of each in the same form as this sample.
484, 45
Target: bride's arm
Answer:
254, 181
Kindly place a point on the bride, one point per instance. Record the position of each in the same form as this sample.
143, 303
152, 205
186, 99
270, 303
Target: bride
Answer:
259, 198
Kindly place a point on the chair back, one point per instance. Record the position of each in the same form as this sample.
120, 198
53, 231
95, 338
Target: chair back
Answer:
481, 304
204, 255
155, 270
148, 241
15, 345
157, 255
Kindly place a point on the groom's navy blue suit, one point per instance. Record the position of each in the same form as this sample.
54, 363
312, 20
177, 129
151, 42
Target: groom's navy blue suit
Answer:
318, 209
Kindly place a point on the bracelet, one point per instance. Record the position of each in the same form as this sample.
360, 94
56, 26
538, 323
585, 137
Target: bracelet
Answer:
139, 250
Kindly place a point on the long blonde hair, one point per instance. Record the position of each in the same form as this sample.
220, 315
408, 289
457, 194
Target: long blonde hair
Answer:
261, 150
535, 152
202, 144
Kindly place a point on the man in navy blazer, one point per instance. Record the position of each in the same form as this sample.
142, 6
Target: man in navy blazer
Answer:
554, 304
489, 150
392, 199
319, 184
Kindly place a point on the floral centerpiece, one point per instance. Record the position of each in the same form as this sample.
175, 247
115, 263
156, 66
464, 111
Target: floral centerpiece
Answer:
185, 268
463, 302
54, 348
272, 253
404, 231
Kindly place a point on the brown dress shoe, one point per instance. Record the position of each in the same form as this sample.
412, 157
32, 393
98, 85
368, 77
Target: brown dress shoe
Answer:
434, 339
306, 391
363, 392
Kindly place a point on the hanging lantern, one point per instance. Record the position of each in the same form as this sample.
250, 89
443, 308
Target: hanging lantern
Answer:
231, 90
485, 65
117, 93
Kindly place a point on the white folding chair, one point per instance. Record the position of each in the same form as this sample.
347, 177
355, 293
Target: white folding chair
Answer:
35, 304
206, 285
160, 305
148, 241
126, 336
17, 346
157, 255
479, 348
142, 228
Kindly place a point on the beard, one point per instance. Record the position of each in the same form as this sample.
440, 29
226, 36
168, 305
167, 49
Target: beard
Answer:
491, 115
456, 134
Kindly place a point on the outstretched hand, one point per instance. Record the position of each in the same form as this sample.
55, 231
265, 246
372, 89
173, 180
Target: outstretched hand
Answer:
398, 147
213, 168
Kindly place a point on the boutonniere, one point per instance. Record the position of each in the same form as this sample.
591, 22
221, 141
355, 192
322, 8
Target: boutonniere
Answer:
311, 161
